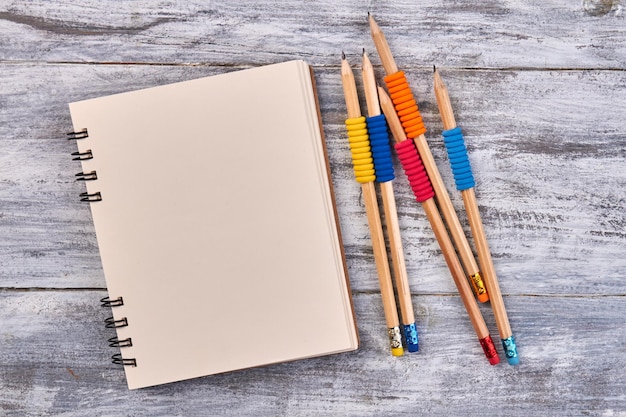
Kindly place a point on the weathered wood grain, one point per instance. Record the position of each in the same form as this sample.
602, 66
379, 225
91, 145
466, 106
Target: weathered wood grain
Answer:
540, 91
56, 362
48, 238
549, 181
538, 34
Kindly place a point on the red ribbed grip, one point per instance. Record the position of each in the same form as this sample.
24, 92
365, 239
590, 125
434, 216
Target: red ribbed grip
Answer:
405, 104
414, 169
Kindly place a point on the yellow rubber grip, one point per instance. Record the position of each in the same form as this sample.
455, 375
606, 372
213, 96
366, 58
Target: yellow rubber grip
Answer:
360, 149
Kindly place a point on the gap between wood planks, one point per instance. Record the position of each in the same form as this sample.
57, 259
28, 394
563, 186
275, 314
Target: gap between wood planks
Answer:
406, 68
370, 292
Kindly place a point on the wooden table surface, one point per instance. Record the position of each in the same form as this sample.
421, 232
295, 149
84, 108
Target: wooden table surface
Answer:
540, 90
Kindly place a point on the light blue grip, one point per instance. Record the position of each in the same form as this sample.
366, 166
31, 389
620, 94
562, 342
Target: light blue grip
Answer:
457, 153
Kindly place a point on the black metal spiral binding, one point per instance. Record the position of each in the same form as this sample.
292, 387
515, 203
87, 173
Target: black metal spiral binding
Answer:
82, 156
111, 323
116, 342
86, 176
118, 360
107, 302
91, 197
81, 134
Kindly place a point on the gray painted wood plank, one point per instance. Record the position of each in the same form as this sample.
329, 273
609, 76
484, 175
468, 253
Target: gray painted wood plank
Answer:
540, 91
549, 182
514, 33
56, 362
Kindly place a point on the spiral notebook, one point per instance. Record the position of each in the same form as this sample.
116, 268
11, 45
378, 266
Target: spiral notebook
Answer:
216, 224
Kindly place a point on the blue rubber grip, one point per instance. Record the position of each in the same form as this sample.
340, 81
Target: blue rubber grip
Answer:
457, 153
381, 151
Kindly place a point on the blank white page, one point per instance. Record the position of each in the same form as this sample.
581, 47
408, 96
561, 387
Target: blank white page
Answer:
217, 223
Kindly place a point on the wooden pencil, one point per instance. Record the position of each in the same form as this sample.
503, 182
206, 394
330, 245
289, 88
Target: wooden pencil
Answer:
441, 193
391, 216
374, 222
476, 225
439, 229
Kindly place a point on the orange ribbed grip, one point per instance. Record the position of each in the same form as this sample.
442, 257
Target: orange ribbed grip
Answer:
405, 104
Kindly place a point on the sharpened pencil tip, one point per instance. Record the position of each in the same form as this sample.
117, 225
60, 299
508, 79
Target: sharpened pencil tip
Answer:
434, 68
343, 55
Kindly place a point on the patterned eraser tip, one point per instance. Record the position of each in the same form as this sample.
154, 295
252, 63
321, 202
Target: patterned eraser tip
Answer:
415, 171
510, 350
381, 151
405, 104
362, 160
395, 341
411, 337
490, 350
479, 287
459, 161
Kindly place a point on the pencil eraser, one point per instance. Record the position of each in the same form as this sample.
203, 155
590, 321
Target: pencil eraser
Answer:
510, 350
410, 335
490, 350
395, 341
479, 287
494, 360
513, 361
397, 351
483, 298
